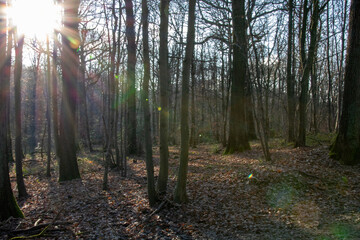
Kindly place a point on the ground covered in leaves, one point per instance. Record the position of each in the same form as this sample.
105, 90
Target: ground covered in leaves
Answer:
301, 194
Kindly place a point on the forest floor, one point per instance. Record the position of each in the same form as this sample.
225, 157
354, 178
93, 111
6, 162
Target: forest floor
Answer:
301, 194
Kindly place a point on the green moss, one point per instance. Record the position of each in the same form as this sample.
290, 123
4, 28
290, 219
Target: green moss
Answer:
320, 139
19, 213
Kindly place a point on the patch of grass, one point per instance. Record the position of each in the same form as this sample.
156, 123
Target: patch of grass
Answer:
216, 148
90, 162
313, 140
32, 170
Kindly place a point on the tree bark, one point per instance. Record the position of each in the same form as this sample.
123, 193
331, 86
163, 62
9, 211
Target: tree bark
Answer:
192, 106
180, 195
68, 166
164, 99
54, 98
18, 137
145, 99
238, 140
131, 62
8, 205
328, 71
301, 141
291, 101
7, 79
340, 74
48, 105
347, 144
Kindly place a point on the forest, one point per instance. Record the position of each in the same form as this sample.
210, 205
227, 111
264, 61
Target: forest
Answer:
180, 119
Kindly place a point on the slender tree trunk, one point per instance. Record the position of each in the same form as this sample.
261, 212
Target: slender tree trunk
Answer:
174, 124
328, 71
180, 195
54, 98
48, 103
18, 137
223, 98
117, 90
340, 76
83, 117
7, 77
314, 91
145, 100
301, 141
32, 108
291, 101
259, 111
192, 107
164, 99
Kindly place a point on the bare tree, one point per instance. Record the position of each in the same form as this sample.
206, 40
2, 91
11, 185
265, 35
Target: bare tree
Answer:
180, 195
68, 166
164, 99
8, 205
145, 100
346, 146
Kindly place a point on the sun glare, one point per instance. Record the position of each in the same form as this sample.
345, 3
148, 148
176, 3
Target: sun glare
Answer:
35, 18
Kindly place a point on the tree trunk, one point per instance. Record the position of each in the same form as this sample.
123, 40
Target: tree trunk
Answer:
48, 103
301, 141
8, 205
347, 144
54, 98
164, 99
238, 140
7, 79
192, 106
84, 119
32, 108
180, 195
174, 124
340, 75
328, 71
131, 62
145, 99
117, 91
291, 101
18, 137
314, 91
68, 166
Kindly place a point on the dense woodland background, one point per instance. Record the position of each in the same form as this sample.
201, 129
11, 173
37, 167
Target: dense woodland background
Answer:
122, 82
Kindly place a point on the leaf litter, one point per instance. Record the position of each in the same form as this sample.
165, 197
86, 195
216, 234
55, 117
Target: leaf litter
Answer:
301, 194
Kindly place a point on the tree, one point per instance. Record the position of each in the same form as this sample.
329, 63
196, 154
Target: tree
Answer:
68, 166
307, 64
146, 106
131, 90
164, 99
8, 205
180, 190
290, 81
54, 97
346, 147
18, 144
48, 107
238, 140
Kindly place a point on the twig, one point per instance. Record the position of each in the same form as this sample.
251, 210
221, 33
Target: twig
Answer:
155, 211
37, 227
43, 231
158, 209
